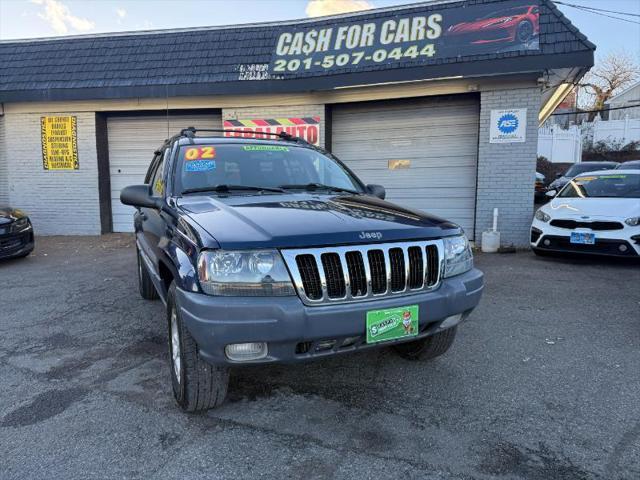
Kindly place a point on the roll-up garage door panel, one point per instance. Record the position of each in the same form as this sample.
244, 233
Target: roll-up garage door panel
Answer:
132, 141
438, 135
417, 162
423, 179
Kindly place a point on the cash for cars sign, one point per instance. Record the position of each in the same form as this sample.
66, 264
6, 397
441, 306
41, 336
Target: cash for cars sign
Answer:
307, 128
387, 39
59, 143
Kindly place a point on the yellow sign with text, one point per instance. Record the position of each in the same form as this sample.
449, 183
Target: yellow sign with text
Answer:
59, 143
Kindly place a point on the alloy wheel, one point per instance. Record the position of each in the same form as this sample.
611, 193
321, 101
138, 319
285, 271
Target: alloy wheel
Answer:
175, 345
525, 30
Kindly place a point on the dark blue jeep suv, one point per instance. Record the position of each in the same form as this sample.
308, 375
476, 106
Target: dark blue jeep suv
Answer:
274, 251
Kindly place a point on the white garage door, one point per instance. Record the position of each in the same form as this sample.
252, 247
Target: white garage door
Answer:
438, 137
132, 141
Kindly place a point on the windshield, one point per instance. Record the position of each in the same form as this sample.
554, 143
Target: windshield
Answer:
633, 164
201, 167
603, 186
579, 168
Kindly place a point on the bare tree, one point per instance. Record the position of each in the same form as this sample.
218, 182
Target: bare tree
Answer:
612, 74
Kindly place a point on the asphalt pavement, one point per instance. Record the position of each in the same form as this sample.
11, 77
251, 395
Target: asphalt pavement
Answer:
543, 382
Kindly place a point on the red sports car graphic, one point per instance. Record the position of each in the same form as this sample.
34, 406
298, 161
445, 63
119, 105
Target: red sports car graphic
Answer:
515, 25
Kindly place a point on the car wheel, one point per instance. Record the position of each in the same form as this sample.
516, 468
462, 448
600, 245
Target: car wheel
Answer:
197, 385
145, 285
429, 347
524, 32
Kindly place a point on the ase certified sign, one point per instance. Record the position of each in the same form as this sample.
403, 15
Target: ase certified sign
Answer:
508, 126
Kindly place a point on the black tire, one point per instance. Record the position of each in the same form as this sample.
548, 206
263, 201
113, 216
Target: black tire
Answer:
429, 347
524, 31
197, 385
145, 285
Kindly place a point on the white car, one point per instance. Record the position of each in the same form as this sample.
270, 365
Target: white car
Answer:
596, 212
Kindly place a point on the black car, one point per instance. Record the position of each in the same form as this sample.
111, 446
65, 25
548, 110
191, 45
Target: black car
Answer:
275, 252
16, 233
577, 169
631, 164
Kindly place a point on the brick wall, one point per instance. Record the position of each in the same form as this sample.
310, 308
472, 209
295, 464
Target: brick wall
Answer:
506, 171
278, 111
58, 202
4, 171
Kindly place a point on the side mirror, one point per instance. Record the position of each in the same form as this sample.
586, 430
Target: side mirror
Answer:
551, 193
138, 196
558, 175
376, 191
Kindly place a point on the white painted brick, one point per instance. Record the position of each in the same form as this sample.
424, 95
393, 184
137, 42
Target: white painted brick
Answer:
4, 168
58, 202
506, 171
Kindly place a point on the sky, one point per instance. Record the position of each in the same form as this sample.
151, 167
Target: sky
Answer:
49, 18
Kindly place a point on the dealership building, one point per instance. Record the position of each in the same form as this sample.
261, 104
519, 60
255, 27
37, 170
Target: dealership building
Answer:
440, 102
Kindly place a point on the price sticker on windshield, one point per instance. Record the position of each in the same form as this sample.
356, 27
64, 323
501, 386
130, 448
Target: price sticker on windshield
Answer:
200, 153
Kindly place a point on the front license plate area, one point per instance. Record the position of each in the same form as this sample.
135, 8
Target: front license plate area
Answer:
583, 238
392, 324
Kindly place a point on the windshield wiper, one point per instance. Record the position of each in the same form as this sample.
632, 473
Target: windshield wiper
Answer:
227, 188
317, 186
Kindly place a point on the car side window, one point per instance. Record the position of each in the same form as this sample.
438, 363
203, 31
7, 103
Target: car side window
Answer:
152, 169
157, 182
534, 10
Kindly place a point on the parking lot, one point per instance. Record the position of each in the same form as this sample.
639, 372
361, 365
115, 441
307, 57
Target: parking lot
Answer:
543, 382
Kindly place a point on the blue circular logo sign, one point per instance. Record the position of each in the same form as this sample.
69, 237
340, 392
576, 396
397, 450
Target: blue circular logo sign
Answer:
508, 123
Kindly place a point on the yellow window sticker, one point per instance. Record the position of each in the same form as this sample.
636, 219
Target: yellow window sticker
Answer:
200, 153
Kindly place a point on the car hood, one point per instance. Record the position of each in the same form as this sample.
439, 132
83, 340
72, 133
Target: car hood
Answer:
476, 25
306, 219
620, 208
9, 214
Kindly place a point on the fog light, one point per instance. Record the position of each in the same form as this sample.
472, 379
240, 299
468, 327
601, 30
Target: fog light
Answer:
242, 352
325, 345
547, 242
622, 248
451, 321
349, 341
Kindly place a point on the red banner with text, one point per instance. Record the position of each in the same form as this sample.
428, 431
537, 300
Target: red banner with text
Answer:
307, 128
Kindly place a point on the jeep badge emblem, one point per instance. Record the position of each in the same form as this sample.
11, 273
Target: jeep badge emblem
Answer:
371, 235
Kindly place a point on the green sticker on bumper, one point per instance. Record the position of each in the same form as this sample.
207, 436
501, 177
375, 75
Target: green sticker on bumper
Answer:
391, 324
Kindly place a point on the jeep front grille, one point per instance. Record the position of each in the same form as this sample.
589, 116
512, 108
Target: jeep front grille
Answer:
364, 272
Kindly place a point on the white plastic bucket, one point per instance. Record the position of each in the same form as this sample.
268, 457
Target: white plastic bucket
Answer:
490, 241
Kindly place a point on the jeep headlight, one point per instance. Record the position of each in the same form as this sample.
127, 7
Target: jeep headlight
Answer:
543, 217
244, 273
20, 224
457, 256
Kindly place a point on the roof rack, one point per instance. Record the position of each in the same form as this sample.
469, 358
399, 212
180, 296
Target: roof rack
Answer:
190, 132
